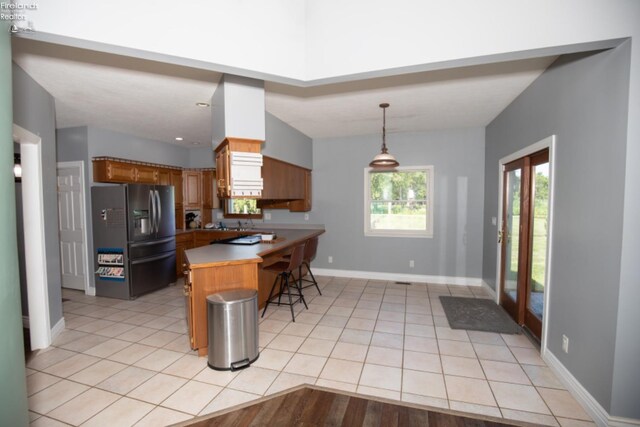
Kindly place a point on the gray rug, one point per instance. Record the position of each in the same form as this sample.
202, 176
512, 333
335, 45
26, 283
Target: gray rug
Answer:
477, 314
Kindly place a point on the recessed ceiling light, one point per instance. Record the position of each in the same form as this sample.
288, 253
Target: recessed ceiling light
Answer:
196, 143
179, 138
202, 104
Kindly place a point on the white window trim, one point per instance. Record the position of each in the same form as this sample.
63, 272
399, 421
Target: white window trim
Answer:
428, 234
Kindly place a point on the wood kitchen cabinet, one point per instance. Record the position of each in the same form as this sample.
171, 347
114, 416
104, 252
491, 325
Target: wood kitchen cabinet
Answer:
164, 177
146, 174
304, 204
175, 179
201, 282
192, 183
184, 241
123, 172
286, 186
223, 161
209, 196
223, 165
113, 171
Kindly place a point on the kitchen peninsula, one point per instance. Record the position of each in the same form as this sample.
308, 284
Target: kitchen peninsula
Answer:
218, 267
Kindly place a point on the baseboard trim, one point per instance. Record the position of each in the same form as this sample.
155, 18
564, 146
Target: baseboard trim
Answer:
490, 290
25, 322
401, 277
57, 329
91, 291
600, 416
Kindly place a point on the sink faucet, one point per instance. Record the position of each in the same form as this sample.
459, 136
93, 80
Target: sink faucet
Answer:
239, 225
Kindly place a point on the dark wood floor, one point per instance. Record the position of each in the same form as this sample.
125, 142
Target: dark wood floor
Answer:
315, 407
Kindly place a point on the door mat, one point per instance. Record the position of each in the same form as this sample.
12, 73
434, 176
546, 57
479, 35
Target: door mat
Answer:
477, 314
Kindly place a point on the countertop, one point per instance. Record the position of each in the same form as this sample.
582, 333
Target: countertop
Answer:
221, 254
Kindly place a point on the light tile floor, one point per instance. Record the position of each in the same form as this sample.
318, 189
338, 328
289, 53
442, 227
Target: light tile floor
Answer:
127, 363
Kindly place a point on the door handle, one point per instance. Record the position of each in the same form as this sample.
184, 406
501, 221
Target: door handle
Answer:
152, 259
159, 211
500, 235
155, 242
152, 208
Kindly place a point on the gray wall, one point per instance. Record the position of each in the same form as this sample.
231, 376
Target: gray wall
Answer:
583, 99
338, 197
34, 110
286, 143
104, 142
13, 387
201, 157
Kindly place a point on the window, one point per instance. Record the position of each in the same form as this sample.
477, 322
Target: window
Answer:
242, 208
399, 203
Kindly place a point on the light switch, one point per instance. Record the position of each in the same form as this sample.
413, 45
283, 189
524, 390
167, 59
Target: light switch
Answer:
494, 220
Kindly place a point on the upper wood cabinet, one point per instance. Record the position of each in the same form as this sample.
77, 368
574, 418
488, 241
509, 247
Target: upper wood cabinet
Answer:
284, 181
176, 181
113, 171
304, 204
147, 174
192, 188
207, 189
224, 165
164, 177
123, 171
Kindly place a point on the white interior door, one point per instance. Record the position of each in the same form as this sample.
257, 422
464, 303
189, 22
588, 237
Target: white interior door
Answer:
71, 207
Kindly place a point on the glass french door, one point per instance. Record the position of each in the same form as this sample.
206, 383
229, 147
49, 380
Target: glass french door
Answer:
523, 239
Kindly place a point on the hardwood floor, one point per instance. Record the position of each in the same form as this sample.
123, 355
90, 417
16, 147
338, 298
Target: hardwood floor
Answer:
311, 405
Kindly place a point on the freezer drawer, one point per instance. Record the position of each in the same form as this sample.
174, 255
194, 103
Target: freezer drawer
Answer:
152, 273
151, 247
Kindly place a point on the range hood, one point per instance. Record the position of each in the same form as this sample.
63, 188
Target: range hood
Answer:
238, 113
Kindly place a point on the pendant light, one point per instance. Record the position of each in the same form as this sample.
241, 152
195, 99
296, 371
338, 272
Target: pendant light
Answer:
384, 160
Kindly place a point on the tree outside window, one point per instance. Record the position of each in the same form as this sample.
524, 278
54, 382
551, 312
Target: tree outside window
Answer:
399, 203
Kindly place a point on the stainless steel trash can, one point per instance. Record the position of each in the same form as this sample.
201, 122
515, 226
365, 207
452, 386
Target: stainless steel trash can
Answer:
232, 319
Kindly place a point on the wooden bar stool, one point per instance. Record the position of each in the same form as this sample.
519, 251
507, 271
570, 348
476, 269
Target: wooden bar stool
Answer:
285, 271
310, 249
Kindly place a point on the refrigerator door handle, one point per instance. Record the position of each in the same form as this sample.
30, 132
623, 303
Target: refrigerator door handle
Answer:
159, 205
152, 208
151, 259
154, 242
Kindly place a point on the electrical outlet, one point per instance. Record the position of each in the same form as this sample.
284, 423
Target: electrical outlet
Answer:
565, 343
330, 260
306, 217
267, 216
219, 215
411, 263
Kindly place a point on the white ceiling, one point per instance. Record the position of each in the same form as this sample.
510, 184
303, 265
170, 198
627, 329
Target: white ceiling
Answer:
157, 101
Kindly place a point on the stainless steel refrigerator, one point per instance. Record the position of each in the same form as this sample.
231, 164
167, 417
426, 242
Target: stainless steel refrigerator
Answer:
134, 241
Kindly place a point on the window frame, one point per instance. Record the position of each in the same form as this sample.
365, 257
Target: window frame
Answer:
428, 233
226, 214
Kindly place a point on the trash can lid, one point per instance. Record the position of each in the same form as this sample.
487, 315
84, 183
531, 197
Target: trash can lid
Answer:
232, 296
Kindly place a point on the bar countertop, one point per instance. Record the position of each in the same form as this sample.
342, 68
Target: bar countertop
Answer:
223, 254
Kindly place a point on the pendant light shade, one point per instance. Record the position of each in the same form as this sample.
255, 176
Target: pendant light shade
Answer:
384, 160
